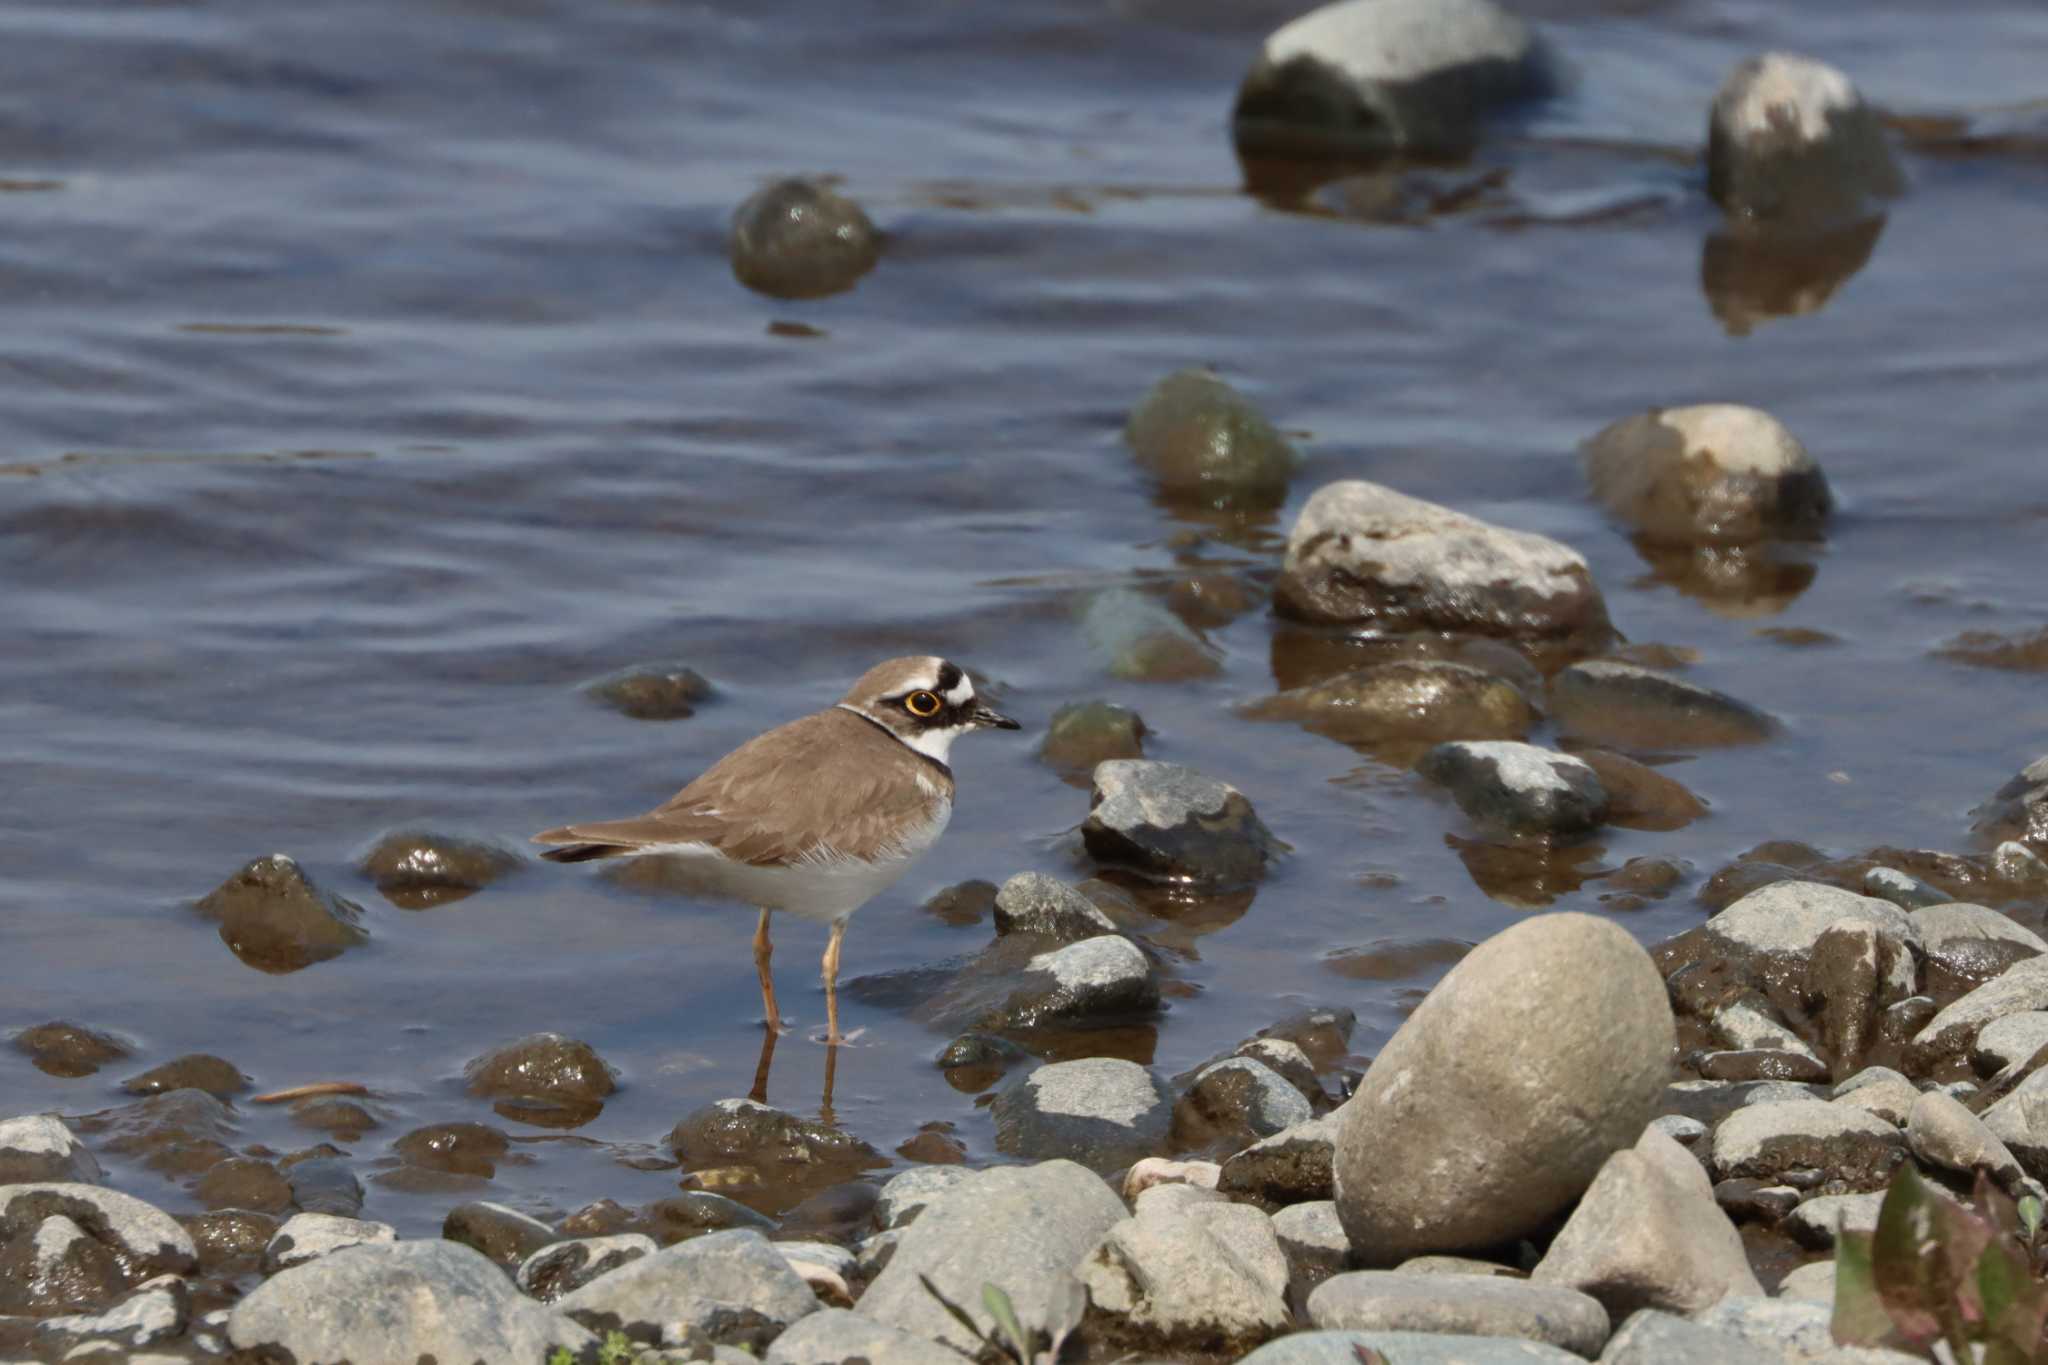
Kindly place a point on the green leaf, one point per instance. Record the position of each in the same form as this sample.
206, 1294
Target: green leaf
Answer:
1860, 1318
960, 1315
1000, 1308
2030, 1211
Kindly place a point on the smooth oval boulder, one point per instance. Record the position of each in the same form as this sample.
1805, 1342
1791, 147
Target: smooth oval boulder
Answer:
1632, 707
1361, 554
1208, 445
801, 239
1714, 472
1791, 144
275, 919
1173, 824
1410, 699
1379, 76
1494, 1106
1520, 788
1475, 1305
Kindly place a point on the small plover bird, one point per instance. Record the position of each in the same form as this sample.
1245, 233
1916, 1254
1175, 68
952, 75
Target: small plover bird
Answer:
816, 817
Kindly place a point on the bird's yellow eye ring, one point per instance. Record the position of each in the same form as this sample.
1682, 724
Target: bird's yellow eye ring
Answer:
922, 704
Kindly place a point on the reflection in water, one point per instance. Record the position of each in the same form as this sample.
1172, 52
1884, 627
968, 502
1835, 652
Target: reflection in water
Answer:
1531, 875
1752, 276
1734, 581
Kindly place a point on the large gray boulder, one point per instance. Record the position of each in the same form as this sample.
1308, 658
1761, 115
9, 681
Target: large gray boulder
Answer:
1494, 1106
1791, 145
1361, 554
730, 1287
1022, 1227
1648, 1234
1378, 76
1103, 1112
398, 1301
1174, 824
1714, 472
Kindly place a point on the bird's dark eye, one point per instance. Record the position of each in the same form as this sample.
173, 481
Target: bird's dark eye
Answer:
923, 704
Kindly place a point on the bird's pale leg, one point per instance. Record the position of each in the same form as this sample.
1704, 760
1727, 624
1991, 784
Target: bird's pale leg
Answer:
763, 949
832, 1034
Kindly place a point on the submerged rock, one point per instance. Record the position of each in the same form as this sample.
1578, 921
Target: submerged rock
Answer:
194, 1071
1422, 700
1018, 985
180, 1133
1989, 649
275, 919
1207, 444
665, 691
1790, 144
1100, 1111
1715, 472
1380, 76
1033, 903
1138, 639
1364, 555
1494, 1106
66, 1246
746, 1132
1083, 734
1174, 824
60, 1048
416, 868
1520, 788
2018, 810
1640, 708
455, 1148
398, 1301
800, 239
545, 1078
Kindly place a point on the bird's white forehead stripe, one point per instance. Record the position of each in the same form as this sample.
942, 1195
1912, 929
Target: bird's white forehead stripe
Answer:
961, 692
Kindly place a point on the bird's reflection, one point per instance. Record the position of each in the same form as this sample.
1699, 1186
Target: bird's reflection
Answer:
766, 1063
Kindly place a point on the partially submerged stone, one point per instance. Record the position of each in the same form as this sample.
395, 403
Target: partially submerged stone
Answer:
1791, 144
61, 1048
1100, 1111
1622, 704
275, 919
1714, 472
1137, 639
1033, 903
2018, 810
800, 239
38, 1148
564, 1267
543, 1077
1083, 734
66, 1246
1415, 700
196, 1071
1207, 444
418, 868
652, 691
1171, 823
1639, 796
1520, 788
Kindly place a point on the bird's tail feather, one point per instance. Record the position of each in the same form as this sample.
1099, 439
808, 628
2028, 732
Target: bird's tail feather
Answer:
583, 853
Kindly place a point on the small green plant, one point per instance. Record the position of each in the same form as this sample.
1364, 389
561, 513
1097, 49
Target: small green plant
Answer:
1939, 1270
1016, 1342
616, 1349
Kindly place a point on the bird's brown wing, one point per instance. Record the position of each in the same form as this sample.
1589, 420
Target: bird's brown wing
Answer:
828, 784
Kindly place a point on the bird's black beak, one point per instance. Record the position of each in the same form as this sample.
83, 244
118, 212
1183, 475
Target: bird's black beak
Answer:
989, 719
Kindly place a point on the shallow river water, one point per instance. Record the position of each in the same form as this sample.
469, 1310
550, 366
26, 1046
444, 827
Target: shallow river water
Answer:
373, 377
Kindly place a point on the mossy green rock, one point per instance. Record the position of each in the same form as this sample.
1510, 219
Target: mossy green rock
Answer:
1207, 444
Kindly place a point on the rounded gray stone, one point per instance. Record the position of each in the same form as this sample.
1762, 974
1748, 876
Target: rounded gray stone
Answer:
733, 1287
1651, 1337
1818, 1221
1421, 700
1103, 1112
2021, 988
1790, 144
1472, 1305
2010, 1041
1033, 903
1711, 473
1493, 1107
1521, 788
38, 1148
1192, 1268
1174, 824
1763, 1141
145, 1240
1241, 1099
566, 1267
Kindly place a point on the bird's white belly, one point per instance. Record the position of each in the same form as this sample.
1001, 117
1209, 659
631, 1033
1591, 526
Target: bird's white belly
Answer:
825, 886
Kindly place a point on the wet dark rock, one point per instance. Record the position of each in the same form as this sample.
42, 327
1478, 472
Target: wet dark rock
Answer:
1033, 903
505, 1235
155, 1313
650, 692
458, 1148
1989, 649
1639, 796
1083, 734
1138, 639
40, 1149
183, 1132
1791, 144
600, 1218
275, 919
307, 1236
548, 1069
1235, 1103
695, 1212
1771, 934
1642, 880
1743, 876
245, 1182
564, 1267
1517, 787
1364, 555
982, 1052
229, 1240
346, 1119
1639, 708
1386, 76
1755, 1201
1174, 824
1906, 892
65, 1049
194, 1071
1207, 444
1209, 598
66, 1246
325, 1185
934, 1144
800, 239
1966, 946
837, 1213
418, 868
1019, 985
1762, 1064
1189, 1267
963, 903
1051, 1215
1952, 1032
744, 1132
1290, 1167
1099, 1111
1496, 1102
398, 1301
2018, 810
1716, 472
1322, 1032
1476, 1305
1416, 700
1768, 1141
732, 1288
2013, 862
1856, 971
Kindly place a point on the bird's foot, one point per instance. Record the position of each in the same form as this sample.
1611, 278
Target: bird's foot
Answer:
830, 1039
779, 1027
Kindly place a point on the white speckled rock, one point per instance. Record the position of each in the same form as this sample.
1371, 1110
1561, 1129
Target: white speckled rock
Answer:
1363, 554
1191, 1267
1648, 1234
38, 1148
1715, 472
1764, 1140
1522, 788
1791, 144
2022, 987
1474, 1305
2010, 1042
1033, 903
1101, 1111
1022, 1227
305, 1236
157, 1311
1545, 1050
